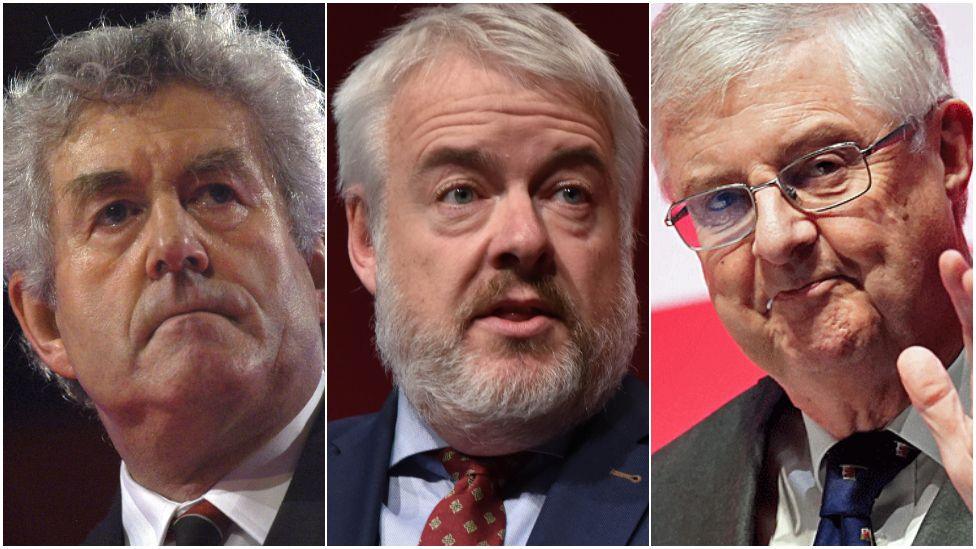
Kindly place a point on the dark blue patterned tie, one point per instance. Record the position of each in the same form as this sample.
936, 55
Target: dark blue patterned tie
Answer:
858, 468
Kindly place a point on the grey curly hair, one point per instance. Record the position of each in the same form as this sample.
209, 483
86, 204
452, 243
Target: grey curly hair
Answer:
208, 47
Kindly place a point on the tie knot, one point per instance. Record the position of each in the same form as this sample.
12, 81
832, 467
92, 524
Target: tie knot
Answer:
200, 524
873, 449
859, 467
494, 467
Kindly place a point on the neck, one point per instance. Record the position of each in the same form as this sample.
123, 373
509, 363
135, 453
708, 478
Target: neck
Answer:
845, 401
181, 452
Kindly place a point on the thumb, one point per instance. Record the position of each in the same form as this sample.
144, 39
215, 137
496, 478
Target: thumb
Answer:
932, 393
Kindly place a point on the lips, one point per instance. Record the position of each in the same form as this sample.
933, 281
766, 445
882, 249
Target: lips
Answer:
818, 287
156, 309
519, 311
517, 318
804, 291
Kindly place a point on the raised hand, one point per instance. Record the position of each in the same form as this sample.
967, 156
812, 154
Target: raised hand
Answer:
930, 389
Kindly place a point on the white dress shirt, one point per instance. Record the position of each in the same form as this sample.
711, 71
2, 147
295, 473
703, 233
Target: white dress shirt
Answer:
796, 443
249, 495
418, 481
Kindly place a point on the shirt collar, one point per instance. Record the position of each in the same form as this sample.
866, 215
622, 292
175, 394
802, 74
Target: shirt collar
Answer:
909, 424
249, 495
412, 436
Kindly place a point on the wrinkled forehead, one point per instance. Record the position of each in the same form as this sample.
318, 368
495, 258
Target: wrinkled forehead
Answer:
172, 108
803, 97
454, 71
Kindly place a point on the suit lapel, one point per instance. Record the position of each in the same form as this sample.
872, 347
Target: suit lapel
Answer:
109, 531
301, 517
358, 463
714, 469
947, 522
586, 504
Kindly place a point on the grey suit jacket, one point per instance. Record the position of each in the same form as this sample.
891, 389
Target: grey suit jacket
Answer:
706, 483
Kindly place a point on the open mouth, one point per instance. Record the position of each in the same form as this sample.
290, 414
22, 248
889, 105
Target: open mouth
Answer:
517, 319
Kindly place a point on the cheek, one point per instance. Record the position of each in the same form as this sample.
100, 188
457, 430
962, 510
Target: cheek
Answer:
592, 267
730, 274
267, 265
430, 273
96, 292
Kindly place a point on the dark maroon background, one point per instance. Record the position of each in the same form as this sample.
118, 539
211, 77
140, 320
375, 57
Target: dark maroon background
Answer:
356, 381
60, 472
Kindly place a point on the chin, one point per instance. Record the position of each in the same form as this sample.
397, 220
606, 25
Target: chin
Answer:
508, 397
832, 341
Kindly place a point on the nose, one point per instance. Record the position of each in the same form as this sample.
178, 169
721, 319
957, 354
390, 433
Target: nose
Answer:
520, 239
782, 232
174, 244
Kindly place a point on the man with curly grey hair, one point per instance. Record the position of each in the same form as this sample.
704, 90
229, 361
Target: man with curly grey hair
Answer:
490, 165
163, 217
817, 162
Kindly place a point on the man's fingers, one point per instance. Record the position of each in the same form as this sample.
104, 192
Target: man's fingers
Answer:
929, 387
957, 278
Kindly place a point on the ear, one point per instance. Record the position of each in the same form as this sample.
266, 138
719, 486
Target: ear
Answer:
362, 254
956, 151
40, 325
316, 266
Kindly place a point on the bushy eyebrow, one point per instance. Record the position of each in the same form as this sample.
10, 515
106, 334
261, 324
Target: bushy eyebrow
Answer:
470, 158
87, 186
575, 158
228, 160
484, 161
803, 142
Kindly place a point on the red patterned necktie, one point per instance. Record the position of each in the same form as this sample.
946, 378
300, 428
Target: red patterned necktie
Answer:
473, 512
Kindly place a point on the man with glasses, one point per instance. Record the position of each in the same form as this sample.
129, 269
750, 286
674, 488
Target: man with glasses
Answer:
822, 181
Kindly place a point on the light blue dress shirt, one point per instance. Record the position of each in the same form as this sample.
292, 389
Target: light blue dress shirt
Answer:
418, 481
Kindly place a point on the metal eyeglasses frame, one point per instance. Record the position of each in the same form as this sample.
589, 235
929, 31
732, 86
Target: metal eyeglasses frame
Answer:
897, 135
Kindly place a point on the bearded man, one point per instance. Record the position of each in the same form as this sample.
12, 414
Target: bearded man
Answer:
490, 165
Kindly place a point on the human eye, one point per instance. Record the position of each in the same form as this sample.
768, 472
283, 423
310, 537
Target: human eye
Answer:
574, 195
458, 195
117, 214
719, 208
215, 195
818, 170
722, 200
823, 166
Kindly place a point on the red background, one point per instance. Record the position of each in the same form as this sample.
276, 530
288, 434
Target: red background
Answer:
697, 368
356, 381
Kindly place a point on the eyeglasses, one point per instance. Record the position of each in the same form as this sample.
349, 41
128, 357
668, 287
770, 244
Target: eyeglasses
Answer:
814, 183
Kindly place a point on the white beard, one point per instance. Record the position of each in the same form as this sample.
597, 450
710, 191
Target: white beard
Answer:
504, 409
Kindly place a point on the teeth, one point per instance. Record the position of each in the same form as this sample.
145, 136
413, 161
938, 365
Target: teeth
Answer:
516, 315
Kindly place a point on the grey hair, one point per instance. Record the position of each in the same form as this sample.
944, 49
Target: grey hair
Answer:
894, 54
211, 48
532, 44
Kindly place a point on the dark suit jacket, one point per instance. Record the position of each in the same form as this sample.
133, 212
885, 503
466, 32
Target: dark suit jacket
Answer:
300, 519
706, 482
585, 505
